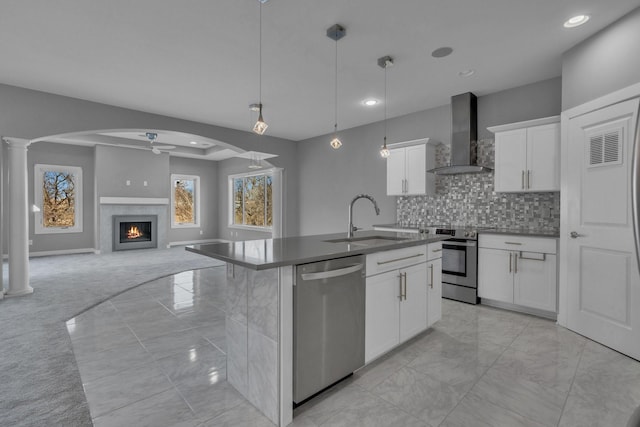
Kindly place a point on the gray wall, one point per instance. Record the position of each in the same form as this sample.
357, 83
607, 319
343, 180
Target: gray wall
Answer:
603, 63
116, 165
66, 155
329, 179
32, 114
209, 200
226, 168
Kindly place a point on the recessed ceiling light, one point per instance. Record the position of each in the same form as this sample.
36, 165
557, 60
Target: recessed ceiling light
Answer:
441, 52
576, 21
193, 143
466, 73
370, 102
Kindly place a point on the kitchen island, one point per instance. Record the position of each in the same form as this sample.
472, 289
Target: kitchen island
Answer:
259, 305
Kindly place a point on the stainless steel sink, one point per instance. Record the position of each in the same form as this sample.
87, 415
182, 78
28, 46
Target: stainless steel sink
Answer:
368, 240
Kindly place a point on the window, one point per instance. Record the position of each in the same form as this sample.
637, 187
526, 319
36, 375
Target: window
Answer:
57, 199
252, 200
185, 201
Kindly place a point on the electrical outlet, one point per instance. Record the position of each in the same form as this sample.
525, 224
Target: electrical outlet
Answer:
128, 182
201, 232
144, 183
30, 242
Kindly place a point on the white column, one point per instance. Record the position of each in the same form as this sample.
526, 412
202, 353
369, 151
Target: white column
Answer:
18, 218
1, 218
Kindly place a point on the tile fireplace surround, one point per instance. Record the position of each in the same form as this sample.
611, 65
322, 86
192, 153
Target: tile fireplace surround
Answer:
110, 206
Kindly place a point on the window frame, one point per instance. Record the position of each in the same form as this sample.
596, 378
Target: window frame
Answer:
196, 201
38, 172
233, 177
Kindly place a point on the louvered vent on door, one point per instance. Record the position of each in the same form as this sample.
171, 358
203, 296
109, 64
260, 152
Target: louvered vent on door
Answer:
605, 148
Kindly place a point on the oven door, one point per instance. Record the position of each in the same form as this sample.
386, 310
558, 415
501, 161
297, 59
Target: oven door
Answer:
460, 262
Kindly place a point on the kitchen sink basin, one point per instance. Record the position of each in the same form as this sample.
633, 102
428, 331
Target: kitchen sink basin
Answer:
368, 240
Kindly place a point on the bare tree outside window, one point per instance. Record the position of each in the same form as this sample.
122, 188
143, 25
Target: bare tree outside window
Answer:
252, 200
184, 202
58, 199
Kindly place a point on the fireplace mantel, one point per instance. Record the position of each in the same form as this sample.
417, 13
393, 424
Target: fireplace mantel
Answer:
134, 201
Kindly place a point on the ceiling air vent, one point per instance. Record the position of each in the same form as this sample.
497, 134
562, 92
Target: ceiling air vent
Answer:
605, 148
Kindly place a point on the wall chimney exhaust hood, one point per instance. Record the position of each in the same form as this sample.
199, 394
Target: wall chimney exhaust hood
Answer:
464, 137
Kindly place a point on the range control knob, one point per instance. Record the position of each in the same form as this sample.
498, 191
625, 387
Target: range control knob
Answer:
472, 234
466, 234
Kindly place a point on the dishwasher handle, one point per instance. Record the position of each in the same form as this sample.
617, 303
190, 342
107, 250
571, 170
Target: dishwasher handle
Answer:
332, 273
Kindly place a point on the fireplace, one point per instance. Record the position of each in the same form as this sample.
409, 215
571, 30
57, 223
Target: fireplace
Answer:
135, 232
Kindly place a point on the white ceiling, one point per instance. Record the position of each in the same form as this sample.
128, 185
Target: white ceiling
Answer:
198, 59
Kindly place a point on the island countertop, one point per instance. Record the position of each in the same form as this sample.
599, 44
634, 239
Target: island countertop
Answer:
263, 254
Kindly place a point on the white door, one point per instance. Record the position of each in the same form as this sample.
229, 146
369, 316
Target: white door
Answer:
395, 172
413, 308
543, 158
382, 314
511, 160
434, 297
416, 170
603, 284
495, 274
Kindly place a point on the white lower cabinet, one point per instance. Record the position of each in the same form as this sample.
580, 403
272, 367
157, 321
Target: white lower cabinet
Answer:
518, 270
401, 300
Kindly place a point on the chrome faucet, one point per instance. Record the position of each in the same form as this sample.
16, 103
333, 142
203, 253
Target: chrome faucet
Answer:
353, 228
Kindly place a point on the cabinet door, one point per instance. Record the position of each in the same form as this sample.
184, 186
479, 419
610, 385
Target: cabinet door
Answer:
535, 283
395, 172
413, 309
416, 169
382, 314
434, 291
495, 274
543, 158
511, 160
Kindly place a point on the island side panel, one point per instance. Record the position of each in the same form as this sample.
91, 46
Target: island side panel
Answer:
287, 279
252, 337
236, 328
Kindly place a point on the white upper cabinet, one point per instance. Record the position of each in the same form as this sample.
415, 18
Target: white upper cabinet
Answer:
528, 156
407, 167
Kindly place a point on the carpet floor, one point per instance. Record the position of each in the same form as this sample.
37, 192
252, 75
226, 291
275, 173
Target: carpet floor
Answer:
39, 380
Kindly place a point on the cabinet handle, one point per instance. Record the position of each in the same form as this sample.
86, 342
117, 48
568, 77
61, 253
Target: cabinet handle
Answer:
400, 284
513, 243
515, 264
405, 286
431, 268
544, 257
528, 179
436, 250
399, 259
510, 256
522, 179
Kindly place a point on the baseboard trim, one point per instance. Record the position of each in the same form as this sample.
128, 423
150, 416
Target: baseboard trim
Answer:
197, 242
64, 252
519, 308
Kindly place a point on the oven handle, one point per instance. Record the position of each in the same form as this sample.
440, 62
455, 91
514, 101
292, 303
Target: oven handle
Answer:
471, 243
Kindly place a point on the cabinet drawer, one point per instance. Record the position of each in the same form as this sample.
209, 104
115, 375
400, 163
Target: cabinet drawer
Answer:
434, 250
380, 262
512, 242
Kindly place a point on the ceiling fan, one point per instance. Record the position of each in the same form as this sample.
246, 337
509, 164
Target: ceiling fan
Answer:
155, 149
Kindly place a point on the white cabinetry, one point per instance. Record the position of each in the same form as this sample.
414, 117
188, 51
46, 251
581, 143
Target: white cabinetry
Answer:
407, 167
398, 304
434, 283
527, 156
518, 270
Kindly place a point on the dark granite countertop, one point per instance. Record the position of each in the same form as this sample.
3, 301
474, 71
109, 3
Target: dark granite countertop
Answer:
529, 232
399, 227
269, 253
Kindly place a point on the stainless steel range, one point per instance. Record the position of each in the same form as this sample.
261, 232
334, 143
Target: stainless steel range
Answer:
459, 263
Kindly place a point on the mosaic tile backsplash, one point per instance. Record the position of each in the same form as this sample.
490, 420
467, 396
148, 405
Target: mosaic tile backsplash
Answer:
469, 200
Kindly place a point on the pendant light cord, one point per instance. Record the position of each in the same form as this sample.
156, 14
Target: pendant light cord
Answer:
335, 126
385, 105
260, 60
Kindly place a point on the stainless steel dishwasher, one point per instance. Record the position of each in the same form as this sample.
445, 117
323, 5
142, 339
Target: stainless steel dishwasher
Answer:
328, 340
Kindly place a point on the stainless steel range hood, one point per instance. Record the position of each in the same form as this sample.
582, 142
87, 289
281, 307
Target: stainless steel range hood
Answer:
464, 137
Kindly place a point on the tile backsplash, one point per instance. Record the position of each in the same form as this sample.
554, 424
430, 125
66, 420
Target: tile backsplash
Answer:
469, 199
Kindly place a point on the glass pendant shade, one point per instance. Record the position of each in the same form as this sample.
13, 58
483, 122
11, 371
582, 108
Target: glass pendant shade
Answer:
384, 151
336, 143
260, 127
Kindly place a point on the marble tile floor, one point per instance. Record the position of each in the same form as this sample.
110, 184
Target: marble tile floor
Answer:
155, 356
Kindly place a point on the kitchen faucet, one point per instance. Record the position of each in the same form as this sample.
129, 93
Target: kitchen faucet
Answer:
353, 228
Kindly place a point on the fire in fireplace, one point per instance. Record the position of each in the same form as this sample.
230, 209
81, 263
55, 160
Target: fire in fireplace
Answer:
134, 232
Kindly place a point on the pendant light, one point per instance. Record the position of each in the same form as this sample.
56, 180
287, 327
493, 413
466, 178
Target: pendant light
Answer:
261, 126
385, 62
336, 32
